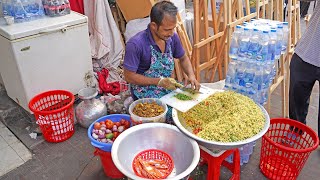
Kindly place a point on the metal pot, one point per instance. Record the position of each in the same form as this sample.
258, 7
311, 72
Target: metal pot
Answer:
90, 109
184, 151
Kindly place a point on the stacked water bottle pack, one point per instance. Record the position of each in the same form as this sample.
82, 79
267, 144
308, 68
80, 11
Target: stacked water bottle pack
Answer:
254, 49
27, 10
56, 7
23, 10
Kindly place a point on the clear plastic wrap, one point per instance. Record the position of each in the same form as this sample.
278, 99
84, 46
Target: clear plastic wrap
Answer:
54, 8
23, 10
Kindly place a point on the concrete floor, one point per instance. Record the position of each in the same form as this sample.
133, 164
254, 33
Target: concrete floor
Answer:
74, 158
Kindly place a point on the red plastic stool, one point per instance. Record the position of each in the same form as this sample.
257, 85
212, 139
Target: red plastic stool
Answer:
214, 162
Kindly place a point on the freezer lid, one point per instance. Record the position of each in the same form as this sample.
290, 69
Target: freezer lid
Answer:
42, 25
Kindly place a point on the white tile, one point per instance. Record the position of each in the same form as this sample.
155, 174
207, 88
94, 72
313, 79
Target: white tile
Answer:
9, 160
7, 135
3, 143
22, 151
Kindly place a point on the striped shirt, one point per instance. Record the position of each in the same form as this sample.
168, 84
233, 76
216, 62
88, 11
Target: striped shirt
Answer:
308, 47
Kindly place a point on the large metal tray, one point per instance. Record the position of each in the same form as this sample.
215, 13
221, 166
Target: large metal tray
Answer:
181, 124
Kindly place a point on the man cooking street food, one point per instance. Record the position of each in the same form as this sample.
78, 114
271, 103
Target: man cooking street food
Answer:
149, 57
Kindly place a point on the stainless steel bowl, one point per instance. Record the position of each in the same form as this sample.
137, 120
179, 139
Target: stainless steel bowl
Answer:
181, 124
184, 151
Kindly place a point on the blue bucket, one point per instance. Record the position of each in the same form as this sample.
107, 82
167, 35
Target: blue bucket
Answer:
113, 117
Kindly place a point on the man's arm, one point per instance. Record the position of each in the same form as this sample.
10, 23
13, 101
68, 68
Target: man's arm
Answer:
187, 68
186, 65
178, 52
131, 63
138, 79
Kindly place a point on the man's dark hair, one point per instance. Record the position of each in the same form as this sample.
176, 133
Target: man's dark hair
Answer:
160, 9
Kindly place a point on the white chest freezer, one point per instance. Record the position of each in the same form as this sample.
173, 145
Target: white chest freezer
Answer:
45, 54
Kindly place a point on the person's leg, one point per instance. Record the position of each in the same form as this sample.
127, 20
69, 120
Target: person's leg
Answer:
302, 79
304, 7
319, 119
285, 9
318, 78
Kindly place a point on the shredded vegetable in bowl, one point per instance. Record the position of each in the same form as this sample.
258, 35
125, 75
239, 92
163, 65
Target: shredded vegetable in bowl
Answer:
225, 117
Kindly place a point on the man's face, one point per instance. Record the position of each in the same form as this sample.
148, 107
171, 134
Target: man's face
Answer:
167, 27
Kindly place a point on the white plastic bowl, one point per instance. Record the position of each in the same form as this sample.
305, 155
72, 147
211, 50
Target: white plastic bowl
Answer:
139, 120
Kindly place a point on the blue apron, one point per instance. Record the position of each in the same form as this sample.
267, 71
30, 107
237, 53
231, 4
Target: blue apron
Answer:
162, 65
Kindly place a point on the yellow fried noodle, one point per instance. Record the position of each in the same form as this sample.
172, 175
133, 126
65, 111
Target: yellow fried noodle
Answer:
226, 117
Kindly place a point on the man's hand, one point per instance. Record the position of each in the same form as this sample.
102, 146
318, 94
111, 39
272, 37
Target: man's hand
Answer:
187, 68
169, 83
193, 81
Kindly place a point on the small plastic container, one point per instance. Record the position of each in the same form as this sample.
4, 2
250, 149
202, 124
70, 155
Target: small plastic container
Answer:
9, 19
139, 120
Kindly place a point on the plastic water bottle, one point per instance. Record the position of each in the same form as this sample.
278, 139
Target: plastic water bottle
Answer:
234, 46
279, 41
7, 8
254, 45
273, 70
248, 78
49, 8
285, 37
36, 9
257, 82
19, 12
67, 7
265, 83
243, 44
3, 8
26, 6
263, 55
231, 74
272, 43
239, 78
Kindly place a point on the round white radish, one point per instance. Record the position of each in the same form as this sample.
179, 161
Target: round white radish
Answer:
120, 129
95, 136
108, 131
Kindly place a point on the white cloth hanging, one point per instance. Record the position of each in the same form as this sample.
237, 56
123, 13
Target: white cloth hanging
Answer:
105, 38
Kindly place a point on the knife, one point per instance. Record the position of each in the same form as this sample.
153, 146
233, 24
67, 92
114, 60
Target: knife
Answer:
187, 89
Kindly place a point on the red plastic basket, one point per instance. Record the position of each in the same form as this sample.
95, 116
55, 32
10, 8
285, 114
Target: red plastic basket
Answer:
108, 166
53, 111
154, 154
285, 148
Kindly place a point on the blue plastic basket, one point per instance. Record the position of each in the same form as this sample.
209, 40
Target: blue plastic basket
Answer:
113, 117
